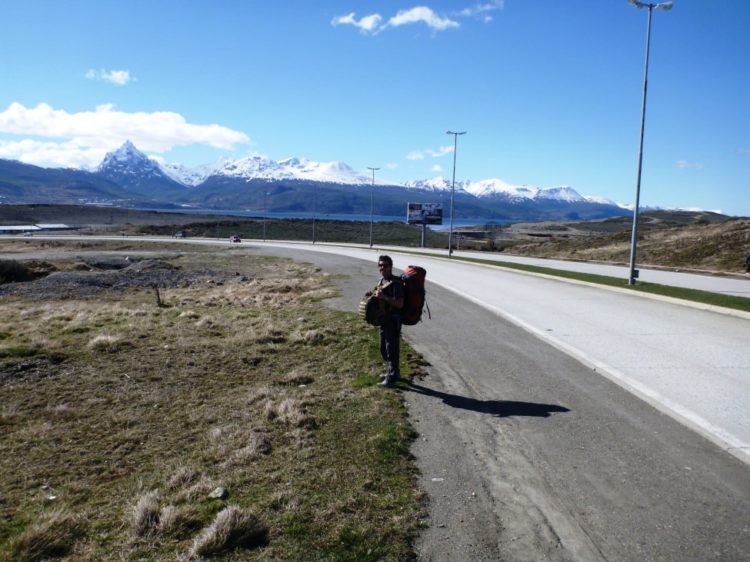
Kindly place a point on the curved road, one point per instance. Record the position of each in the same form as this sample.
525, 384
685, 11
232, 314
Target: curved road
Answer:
528, 452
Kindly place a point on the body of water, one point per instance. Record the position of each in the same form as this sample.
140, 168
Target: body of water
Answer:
457, 223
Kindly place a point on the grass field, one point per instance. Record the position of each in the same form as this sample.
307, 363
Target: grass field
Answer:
232, 416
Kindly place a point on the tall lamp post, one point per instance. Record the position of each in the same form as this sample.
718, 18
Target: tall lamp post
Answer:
372, 190
453, 187
633, 275
265, 213
315, 210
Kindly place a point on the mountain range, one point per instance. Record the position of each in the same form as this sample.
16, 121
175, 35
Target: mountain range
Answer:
128, 178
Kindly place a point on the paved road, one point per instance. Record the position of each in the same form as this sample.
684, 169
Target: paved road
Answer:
528, 454
736, 285
692, 364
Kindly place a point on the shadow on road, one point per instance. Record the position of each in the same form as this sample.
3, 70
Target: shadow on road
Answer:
498, 408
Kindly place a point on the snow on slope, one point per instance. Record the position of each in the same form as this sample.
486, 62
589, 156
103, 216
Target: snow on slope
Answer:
258, 166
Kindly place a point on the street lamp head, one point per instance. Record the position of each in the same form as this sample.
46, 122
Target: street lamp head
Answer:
454, 133
660, 6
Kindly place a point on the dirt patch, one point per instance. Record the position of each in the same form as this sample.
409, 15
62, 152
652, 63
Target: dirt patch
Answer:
88, 277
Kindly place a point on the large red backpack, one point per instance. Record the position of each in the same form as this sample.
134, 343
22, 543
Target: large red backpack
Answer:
413, 279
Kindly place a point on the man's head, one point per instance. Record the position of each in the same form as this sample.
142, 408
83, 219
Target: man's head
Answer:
385, 265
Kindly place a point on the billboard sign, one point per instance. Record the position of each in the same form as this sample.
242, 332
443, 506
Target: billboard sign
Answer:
424, 213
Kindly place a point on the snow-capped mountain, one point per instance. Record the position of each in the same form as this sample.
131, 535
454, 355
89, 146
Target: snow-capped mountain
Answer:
189, 176
137, 173
562, 193
296, 185
498, 189
436, 184
128, 161
262, 167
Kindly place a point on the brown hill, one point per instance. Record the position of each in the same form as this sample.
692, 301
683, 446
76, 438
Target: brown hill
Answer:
679, 239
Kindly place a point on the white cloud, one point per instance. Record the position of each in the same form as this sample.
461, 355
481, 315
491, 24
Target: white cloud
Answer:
61, 155
391, 166
685, 165
481, 10
422, 154
371, 24
366, 24
437, 168
744, 151
421, 14
119, 77
83, 138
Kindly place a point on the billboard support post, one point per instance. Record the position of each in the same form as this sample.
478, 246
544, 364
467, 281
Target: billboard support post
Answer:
424, 214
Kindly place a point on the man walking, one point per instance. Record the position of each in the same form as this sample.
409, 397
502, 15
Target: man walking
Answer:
391, 291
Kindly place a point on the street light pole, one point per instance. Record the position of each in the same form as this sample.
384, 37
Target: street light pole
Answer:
453, 187
372, 190
633, 274
265, 213
315, 210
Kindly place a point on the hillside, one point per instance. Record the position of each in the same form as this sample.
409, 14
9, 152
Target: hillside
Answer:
678, 239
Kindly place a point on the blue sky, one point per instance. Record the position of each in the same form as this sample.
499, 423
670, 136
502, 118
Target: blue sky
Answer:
549, 91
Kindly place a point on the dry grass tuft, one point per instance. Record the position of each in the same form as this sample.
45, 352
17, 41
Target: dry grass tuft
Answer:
52, 537
258, 394
60, 410
175, 520
293, 413
108, 343
313, 336
232, 528
9, 411
146, 514
296, 378
169, 519
212, 322
198, 490
182, 477
259, 444
270, 410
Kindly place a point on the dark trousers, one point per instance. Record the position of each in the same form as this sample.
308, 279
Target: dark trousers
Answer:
390, 345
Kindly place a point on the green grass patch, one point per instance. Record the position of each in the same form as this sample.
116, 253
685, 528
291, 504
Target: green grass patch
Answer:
18, 351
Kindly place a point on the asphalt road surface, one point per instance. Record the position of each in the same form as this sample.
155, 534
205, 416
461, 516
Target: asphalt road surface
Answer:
727, 284
529, 454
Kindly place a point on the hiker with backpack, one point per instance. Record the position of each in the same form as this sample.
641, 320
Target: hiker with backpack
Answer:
391, 291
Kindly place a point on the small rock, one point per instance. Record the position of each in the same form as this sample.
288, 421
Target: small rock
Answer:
219, 493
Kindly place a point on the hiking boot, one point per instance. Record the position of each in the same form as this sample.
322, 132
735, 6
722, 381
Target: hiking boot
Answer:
389, 382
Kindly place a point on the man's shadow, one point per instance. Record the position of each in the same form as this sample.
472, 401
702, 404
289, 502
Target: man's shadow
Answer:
497, 408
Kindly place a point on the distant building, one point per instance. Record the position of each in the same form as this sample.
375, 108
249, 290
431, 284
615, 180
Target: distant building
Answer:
31, 228
18, 229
